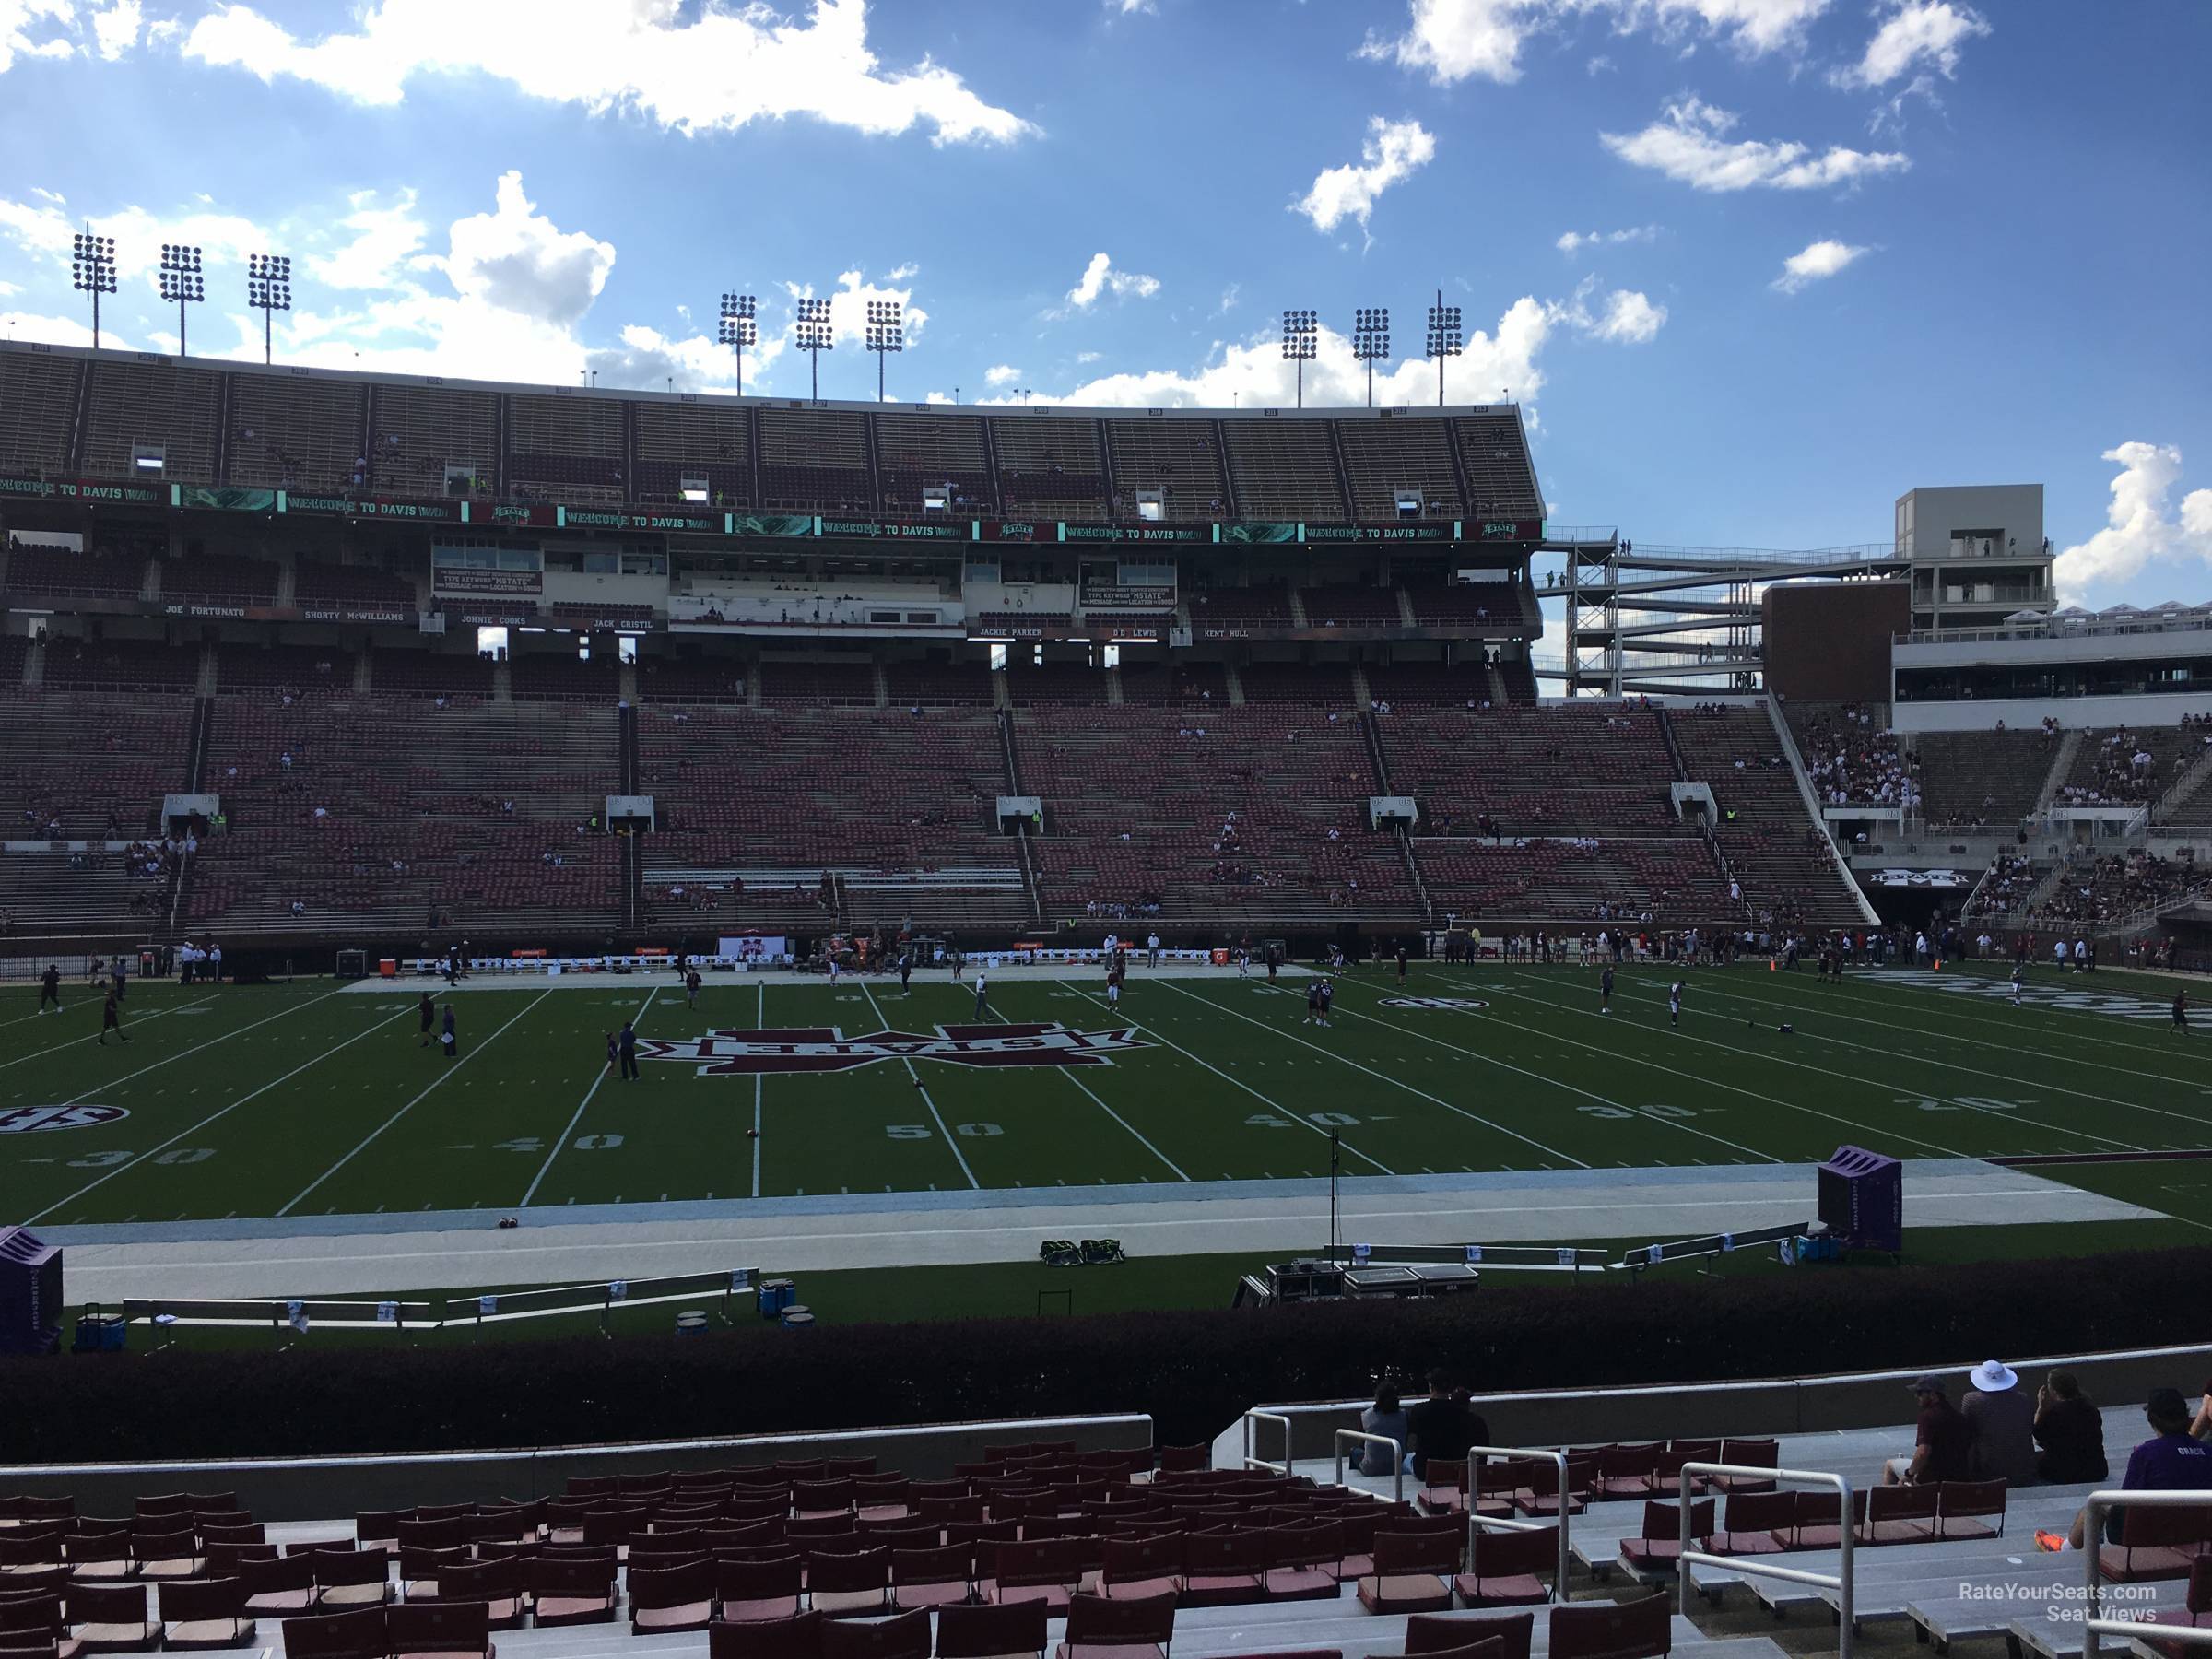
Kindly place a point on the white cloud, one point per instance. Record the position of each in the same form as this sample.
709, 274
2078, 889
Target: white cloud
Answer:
1624, 317
8, 289
1575, 240
1394, 151
514, 260
1101, 278
1001, 375
116, 29
1252, 372
1630, 317
1819, 260
1688, 143
900, 273
384, 239
1915, 33
1089, 357
709, 68
223, 239
1453, 41
61, 331
1229, 297
2138, 532
16, 17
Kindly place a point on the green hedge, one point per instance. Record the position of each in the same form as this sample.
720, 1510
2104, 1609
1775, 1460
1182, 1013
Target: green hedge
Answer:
1194, 1372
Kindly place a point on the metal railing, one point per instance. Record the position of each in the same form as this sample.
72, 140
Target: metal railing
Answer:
1558, 1459
1397, 1458
1290, 1454
2092, 1535
1840, 1581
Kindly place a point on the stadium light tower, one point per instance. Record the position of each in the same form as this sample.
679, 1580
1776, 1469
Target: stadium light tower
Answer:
268, 291
1301, 341
887, 334
739, 330
92, 270
180, 282
1370, 339
1444, 339
814, 335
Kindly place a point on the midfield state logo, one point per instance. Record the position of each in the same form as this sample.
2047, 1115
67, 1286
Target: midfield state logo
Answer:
1461, 1003
748, 1053
30, 1120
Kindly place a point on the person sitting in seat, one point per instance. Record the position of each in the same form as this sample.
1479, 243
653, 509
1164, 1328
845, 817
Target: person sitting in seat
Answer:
1942, 1441
2004, 1425
2171, 1460
2070, 1430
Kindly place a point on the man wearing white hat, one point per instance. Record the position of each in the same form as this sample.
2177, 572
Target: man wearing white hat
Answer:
2004, 1425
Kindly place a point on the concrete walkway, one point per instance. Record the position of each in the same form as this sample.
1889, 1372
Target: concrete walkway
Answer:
332, 1255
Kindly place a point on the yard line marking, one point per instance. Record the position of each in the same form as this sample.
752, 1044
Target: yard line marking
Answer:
1863, 1129
114, 1083
1393, 1082
443, 1077
93, 1036
1069, 1074
1294, 1117
2064, 1129
884, 1025
1998, 1077
545, 1169
1588, 1094
203, 1123
1959, 1009
760, 1023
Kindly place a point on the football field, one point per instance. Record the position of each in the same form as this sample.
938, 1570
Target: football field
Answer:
313, 1100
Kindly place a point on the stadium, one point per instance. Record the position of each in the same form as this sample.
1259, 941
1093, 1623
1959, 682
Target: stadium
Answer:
660, 1019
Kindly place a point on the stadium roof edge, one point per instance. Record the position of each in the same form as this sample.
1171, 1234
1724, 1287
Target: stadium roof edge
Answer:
628, 394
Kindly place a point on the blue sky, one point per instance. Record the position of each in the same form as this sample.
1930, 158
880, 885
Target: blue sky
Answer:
1755, 266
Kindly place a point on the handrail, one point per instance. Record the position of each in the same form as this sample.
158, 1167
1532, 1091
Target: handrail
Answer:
2092, 1537
1398, 1458
1251, 1462
1475, 1457
1840, 1581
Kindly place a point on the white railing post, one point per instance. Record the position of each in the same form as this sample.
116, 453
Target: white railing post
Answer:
1397, 1458
2092, 1539
1841, 1581
1558, 1460
1252, 1462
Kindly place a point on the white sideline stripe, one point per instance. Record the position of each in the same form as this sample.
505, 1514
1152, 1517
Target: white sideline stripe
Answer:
1825, 1071
2013, 1117
1962, 1010
545, 1169
1069, 1073
91, 1036
2010, 1048
1295, 1117
1751, 1094
760, 1023
1393, 1082
443, 1077
884, 1025
211, 1117
1652, 1117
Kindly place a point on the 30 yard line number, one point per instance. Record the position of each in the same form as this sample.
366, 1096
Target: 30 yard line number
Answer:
116, 1158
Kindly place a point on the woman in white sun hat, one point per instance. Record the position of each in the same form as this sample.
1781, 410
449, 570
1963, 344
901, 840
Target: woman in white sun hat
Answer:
2004, 1424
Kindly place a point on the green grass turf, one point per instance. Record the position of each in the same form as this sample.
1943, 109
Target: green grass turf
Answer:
298, 1100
